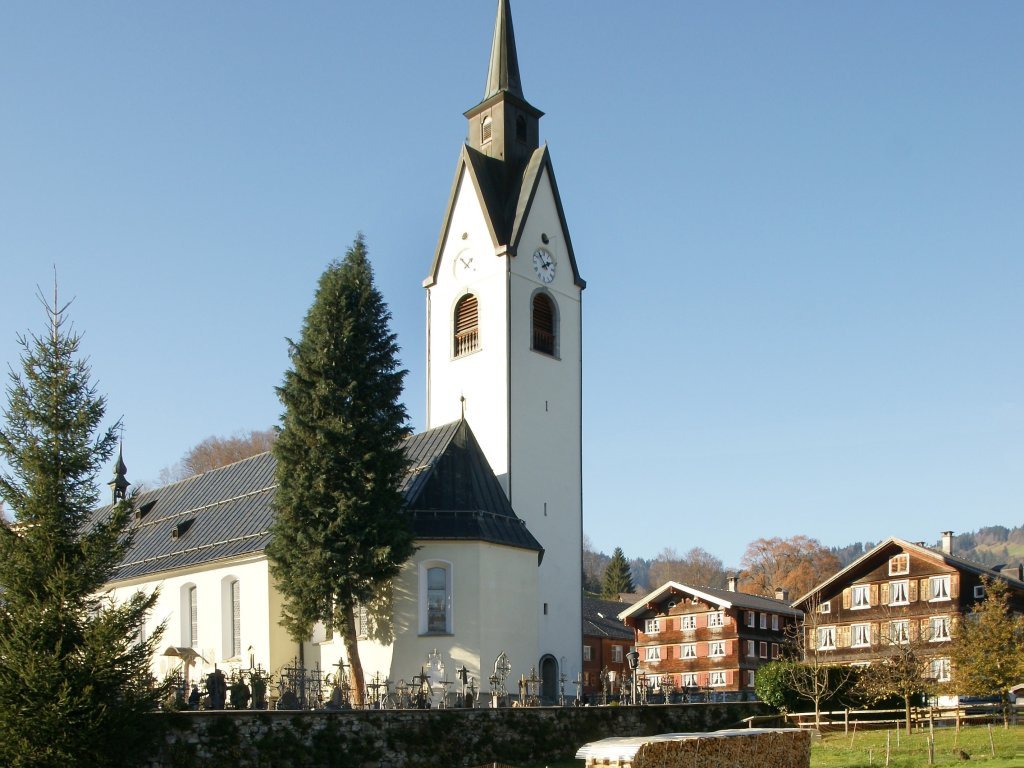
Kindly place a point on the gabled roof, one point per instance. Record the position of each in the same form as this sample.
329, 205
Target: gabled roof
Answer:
600, 619
722, 597
226, 513
891, 546
506, 197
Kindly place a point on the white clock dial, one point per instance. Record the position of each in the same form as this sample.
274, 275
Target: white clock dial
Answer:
544, 265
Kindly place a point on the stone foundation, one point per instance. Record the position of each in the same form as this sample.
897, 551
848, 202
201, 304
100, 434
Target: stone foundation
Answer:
747, 748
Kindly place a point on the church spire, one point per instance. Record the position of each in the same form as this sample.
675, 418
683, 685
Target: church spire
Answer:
504, 125
119, 485
503, 70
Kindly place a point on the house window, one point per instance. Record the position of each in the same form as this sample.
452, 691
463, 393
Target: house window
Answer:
586, 653
467, 327
825, 607
750, 649
860, 635
898, 593
940, 670
860, 597
189, 616
763, 649
716, 619
826, 638
688, 622
899, 565
689, 680
750, 678
652, 653
716, 678
234, 616
651, 626
544, 316
616, 654
716, 648
979, 591
435, 598
764, 621
938, 588
775, 623
688, 651
939, 628
899, 631
775, 650
750, 619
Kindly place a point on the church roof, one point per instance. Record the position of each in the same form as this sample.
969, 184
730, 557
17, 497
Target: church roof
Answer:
503, 67
225, 513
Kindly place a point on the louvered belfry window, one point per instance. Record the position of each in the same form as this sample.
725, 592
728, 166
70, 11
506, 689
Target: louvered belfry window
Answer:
543, 324
467, 330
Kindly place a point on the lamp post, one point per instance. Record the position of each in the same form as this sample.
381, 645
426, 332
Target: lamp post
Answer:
633, 659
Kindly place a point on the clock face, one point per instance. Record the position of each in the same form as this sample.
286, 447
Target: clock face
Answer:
465, 264
544, 265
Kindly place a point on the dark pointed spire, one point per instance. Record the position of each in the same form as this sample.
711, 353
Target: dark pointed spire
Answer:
119, 485
503, 70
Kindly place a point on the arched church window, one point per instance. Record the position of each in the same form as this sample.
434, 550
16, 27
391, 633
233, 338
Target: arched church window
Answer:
545, 331
467, 329
231, 612
189, 614
485, 129
435, 597
520, 128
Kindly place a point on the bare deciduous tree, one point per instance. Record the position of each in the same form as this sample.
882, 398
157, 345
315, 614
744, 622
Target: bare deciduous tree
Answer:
796, 564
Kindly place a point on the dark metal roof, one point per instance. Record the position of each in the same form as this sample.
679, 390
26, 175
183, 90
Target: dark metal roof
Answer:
449, 488
600, 619
503, 67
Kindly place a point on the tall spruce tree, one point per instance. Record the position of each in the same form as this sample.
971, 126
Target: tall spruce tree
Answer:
340, 533
617, 577
74, 673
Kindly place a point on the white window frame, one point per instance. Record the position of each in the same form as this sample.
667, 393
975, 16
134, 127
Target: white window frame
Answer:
860, 597
717, 679
716, 620
687, 622
688, 651
424, 596
588, 654
899, 565
762, 649
688, 680
617, 654
189, 615
860, 635
775, 622
750, 678
941, 670
938, 629
903, 585
899, 631
750, 619
938, 589
826, 639
979, 591
716, 648
652, 626
825, 607
751, 649
231, 622
775, 650
652, 653
764, 620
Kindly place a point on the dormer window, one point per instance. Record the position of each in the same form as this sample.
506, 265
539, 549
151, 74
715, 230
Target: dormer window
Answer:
466, 323
485, 129
899, 565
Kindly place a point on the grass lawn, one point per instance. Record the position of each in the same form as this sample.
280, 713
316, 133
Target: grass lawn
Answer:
867, 748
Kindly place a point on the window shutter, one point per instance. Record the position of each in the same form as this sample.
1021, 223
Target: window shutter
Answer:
884, 591
727, 646
730, 677
843, 641
846, 598
873, 594
954, 585
875, 635
702, 650
912, 589
666, 625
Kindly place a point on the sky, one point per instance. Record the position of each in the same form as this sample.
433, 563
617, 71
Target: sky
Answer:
801, 225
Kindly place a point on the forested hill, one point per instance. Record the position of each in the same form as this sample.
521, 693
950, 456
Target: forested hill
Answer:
992, 545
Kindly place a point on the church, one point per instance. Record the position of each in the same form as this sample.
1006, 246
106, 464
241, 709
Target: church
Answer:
494, 485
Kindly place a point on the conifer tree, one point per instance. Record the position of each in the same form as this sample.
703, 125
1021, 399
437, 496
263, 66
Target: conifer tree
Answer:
340, 532
617, 577
74, 673
988, 648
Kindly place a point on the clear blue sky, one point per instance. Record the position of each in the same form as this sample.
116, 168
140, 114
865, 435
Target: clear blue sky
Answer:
802, 227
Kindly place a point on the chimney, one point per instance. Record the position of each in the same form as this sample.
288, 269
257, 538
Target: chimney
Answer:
781, 593
947, 542
730, 582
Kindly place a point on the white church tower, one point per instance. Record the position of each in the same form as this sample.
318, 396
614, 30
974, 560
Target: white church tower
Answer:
504, 339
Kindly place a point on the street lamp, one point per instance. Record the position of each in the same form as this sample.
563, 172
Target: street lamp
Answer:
633, 659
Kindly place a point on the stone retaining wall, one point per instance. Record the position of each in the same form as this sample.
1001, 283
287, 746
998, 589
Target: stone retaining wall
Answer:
747, 748
445, 738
